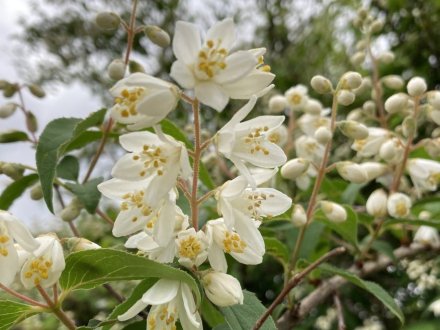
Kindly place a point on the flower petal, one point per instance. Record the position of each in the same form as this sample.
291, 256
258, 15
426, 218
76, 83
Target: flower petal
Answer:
190, 309
157, 104
212, 95
186, 42
224, 31
126, 225
9, 265
249, 85
217, 258
133, 241
135, 141
22, 235
162, 292
133, 311
182, 74
238, 65
239, 115
164, 227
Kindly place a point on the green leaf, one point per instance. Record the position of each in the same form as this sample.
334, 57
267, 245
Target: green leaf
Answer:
87, 193
137, 294
13, 136
277, 249
68, 168
415, 222
384, 248
53, 144
139, 325
12, 312
351, 193
15, 190
88, 269
243, 317
347, 229
373, 288
210, 313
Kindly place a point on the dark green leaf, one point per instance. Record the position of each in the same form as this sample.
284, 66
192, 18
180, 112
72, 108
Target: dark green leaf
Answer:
12, 312
15, 190
139, 325
210, 313
415, 222
87, 193
373, 288
68, 168
243, 317
277, 249
88, 269
13, 136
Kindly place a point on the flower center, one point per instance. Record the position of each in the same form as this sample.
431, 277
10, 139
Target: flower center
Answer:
233, 243
295, 99
211, 59
38, 270
254, 139
162, 317
190, 247
3, 250
401, 209
153, 159
136, 200
255, 199
127, 101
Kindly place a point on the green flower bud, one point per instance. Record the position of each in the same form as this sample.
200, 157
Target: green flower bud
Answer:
108, 21
116, 69
7, 110
134, 66
321, 84
9, 90
37, 192
71, 211
36, 91
14, 171
3, 84
31, 122
157, 35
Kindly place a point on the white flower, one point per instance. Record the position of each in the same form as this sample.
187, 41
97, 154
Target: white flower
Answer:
416, 86
210, 69
370, 146
392, 151
299, 216
310, 123
158, 157
425, 173
142, 100
352, 172
294, 168
427, 236
246, 246
192, 247
297, 97
12, 229
45, 265
309, 148
399, 205
238, 202
396, 103
377, 203
334, 212
248, 142
279, 136
435, 307
222, 289
374, 169
171, 300
353, 129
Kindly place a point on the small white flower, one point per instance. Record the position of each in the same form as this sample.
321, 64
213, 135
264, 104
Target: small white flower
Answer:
222, 289
321, 84
396, 103
142, 100
377, 203
352, 172
310, 123
334, 212
297, 97
299, 216
353, 129
277, 104
11, 229
393, 81
210, 69
171, 301
345, 97
374, 169
427, 236
351, 80
294, 168
424, 173
323, 135
45, 265
370, 146
309, 148
248, 142
192, 247
392, 151
158, 157
416, 86
313, 107
399, 205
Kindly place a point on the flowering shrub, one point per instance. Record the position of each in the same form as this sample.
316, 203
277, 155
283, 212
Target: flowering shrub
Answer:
321, 183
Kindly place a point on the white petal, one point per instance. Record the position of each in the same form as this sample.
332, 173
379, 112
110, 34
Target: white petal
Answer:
248, 257
128, 169
147, 244
133, 311
182, 74
133, 241
185, 167
238, 65
162, 292
240, 114
275, 205
224, 31
116, 188
9, 265
139, 79
249, 85
135, 141
186, 42
217, 259
274, 158
157, 104
164, 227
234, 188
22, 235
212, 95
189, 305
271, 122
124, 224
245, 227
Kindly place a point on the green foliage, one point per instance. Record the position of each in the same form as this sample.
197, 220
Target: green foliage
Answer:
210, 313
68, 168
15, 190
13, 136
12, 312
277, 249
87, 193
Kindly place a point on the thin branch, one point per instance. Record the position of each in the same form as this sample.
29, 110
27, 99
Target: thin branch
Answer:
206, 196
26, 113
294, 282
196, 165
63, 205
104, 216
339, 311
22, 297
130, 32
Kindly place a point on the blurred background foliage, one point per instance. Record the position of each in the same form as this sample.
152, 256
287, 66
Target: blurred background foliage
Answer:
61, 45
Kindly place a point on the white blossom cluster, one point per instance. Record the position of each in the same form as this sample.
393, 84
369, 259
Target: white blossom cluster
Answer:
146, 179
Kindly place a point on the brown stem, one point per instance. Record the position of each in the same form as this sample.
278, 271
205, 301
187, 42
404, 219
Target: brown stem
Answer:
63, 205
104, 216
294, 282
131, 32
196, 164
55, 293
340, 312
26, 113
56, 309
372, 239
206, 196
22, 297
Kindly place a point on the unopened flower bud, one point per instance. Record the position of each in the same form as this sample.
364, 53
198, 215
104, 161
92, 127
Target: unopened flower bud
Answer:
116, 69
427, 235
334, 212
7, 110
377, 203
313, 107
323, 135
434, 115
416, 86
294, 168
157, 35
222, 289
369, 107
386, 57
134, 66
76, 244
389, 150
399, 205
345, 97
355, 115
108, 21
299, 217
71, 211
36, 91
393, 81
9, 90
351, 172
351, 80
361, 45
277, 104
425, 215
321, 84
14, 171
374, 169
36, 192
396, 103
409, 126
434, 99
357, 58
31, 122
3, 84
353, 129
376, 26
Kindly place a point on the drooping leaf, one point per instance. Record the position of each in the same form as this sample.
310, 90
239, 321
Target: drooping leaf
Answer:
243, 317
88, 269
15, 190
87, 193
373, 288
277, 249
68, 168
12, 312
13, 136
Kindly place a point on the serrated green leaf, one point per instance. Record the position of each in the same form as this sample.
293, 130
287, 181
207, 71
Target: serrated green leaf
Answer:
53, 144
243, 317
88, 269
277, 249
347, 229
373, 288
210, 313
68, 168
87, 193
13, 136
384, 248
15, 190
12, 312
